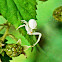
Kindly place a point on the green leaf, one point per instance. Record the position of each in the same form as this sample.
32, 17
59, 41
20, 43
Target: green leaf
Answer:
15, 10
51, 30
2, 20
27, 8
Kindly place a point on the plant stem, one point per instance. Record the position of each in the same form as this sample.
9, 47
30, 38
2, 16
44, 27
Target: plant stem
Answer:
0, 60
5, 34
13, 37
1, 24
1, 28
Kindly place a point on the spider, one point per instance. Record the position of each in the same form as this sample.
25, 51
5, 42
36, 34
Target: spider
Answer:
29, 26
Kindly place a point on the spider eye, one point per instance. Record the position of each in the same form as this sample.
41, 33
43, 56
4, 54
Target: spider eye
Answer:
32, 24
24, 23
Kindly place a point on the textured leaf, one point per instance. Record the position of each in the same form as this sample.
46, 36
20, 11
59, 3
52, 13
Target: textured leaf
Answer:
27, 8
15, 10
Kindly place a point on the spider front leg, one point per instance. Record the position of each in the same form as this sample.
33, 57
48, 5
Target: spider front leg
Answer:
24, 21
20, 26
36, 33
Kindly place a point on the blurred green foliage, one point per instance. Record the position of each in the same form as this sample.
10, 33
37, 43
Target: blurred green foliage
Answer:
51, 29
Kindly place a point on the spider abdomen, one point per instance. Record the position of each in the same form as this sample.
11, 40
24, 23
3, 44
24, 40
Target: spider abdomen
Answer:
32, 24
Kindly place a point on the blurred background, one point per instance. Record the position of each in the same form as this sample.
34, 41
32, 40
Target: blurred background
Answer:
49, 48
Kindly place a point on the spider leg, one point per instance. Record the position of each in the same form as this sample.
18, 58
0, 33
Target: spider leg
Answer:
20, 26
24, 21
37, 33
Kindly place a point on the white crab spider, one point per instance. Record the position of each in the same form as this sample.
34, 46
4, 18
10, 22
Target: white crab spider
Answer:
29, 26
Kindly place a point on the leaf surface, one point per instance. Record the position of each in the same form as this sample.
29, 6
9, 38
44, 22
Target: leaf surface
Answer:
51, 30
